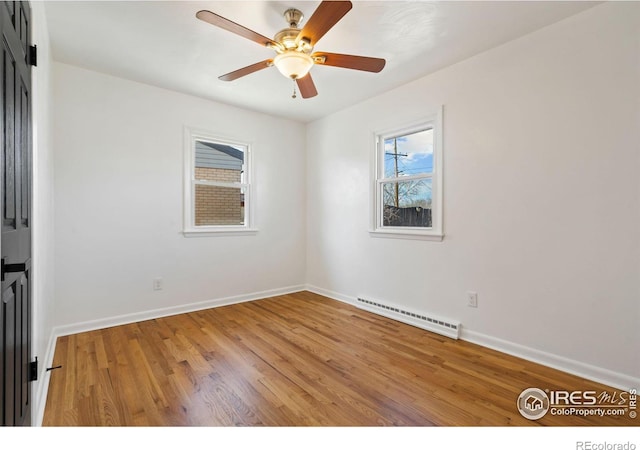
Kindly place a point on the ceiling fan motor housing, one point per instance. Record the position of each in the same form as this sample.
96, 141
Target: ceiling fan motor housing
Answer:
287, 37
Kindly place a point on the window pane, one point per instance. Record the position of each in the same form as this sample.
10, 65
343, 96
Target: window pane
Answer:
217, 205
219, 162
410, 154
407, 203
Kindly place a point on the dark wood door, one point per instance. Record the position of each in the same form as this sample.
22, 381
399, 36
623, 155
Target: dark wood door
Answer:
15, 183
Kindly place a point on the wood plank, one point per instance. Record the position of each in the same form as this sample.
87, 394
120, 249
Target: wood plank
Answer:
293, 360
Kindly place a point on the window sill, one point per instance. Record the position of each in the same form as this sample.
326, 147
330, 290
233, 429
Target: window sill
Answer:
407, 234
231, 231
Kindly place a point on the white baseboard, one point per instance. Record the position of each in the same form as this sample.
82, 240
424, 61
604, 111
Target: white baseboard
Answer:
590, 372
113, 321
593, 373
43, 382
331, 294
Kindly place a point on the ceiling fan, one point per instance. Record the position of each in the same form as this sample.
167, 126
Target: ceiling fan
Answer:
294, 46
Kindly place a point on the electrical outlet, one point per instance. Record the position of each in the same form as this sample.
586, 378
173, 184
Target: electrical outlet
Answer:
157, 284
472, 299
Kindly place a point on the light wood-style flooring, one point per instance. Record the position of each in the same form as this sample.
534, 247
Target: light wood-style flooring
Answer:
292, 360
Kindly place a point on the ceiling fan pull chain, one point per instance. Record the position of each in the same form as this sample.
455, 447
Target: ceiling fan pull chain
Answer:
294, 89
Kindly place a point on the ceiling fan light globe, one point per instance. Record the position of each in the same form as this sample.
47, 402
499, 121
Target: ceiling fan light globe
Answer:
293, 64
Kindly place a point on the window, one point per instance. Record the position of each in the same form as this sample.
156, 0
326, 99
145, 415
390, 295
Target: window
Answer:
408, 181
217, 185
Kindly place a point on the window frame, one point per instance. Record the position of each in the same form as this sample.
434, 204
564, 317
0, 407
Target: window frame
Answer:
435, 232
190, 229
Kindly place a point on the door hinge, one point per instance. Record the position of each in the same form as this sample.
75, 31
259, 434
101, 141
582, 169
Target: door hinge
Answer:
8, 268
32, 57
33, 370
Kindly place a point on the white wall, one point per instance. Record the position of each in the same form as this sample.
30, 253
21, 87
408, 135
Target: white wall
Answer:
542, 196
118, 194
43, 209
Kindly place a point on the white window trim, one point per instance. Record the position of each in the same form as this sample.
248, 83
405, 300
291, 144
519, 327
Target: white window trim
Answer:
191, 135
435, 233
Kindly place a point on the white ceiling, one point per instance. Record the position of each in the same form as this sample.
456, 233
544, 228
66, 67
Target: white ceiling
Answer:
162, 43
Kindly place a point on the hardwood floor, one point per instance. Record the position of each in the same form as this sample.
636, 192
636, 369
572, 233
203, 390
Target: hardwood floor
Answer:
292, 360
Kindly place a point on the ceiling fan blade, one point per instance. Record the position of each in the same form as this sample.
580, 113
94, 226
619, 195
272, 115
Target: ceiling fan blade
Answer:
246, 70
323, 19
307, 86
228, 25
349, 61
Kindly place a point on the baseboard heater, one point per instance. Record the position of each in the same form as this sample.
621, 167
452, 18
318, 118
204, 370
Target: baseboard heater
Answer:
441, 326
